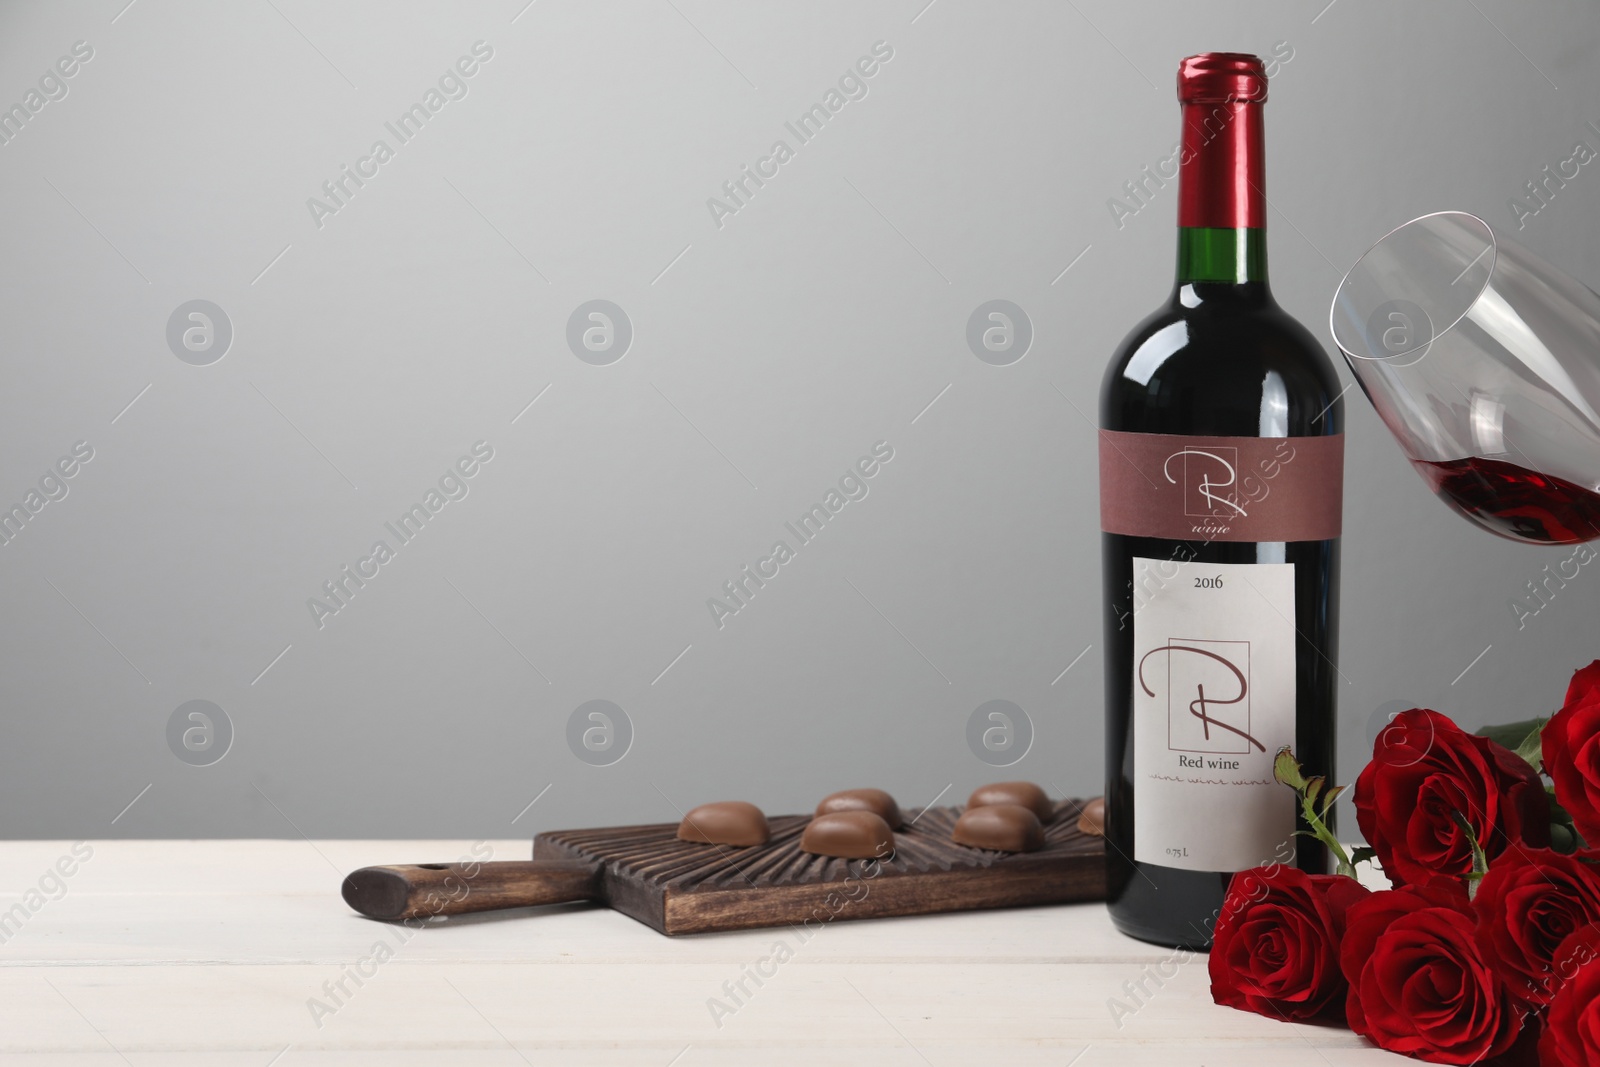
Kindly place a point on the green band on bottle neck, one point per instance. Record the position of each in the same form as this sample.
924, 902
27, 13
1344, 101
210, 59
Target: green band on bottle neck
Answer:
1230, 256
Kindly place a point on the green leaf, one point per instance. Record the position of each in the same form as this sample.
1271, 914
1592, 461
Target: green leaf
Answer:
1523, 738
1563, 839
1286, 769
1363, 855
1557, 812
1332, 795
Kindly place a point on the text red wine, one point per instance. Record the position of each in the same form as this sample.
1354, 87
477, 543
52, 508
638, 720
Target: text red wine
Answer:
1515, 502
1221, 463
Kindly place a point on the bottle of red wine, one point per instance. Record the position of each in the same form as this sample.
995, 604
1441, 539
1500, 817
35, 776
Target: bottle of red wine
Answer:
1221, 481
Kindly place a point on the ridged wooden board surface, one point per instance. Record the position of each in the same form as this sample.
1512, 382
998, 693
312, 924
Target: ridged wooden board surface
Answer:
679, 887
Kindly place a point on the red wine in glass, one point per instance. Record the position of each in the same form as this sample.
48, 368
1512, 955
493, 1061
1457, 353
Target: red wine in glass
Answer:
1515, 502
1470, 345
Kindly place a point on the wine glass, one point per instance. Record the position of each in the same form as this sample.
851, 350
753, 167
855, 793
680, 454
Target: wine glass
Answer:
1484, 362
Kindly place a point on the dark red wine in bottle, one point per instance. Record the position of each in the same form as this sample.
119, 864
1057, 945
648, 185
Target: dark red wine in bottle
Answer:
1515, 502
1221, 481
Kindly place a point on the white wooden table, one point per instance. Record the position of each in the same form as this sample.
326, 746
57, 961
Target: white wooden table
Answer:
217, 952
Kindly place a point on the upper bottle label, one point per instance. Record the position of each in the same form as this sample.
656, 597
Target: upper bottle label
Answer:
1186, 488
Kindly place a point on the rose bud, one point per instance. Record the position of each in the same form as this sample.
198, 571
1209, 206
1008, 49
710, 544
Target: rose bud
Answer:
1571, 743
1276, 947
1425, 772
1419, 982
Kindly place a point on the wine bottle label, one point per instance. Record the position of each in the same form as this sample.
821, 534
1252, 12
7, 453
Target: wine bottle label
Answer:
1185, 488
1213, 702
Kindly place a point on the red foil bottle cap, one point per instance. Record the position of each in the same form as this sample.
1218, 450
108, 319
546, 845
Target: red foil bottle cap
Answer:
1222, 78
1222, 166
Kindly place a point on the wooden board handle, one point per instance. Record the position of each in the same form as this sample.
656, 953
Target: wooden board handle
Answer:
423, 890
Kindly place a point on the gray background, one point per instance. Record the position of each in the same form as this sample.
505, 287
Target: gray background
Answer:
768, 355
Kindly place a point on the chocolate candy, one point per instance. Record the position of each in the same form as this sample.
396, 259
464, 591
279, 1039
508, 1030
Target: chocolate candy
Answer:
855, 835
876, 801
1092, 820
725, 822
1022, 794
1001, 827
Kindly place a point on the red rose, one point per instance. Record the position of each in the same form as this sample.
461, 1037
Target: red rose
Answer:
1571, 743
1276, 947
1571, 1035
1424, 770
1419, 983
1528, 904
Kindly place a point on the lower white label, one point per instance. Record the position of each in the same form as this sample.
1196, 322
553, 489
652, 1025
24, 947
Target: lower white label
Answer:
1213, 702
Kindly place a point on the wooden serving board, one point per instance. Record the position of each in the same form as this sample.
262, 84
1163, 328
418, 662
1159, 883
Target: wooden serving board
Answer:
677, 887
